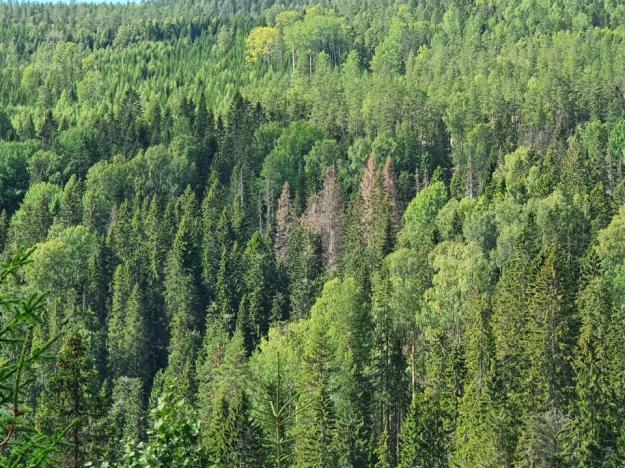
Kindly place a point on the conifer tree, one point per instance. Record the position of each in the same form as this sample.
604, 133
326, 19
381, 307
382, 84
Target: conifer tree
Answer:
182, 270
285, 221
324, 217
221, 374
115, 337
423, 438
315, 428
509, 324
549, 374
126, 416
234, 434
375, 216
389, 182
183, 301
71, 203
71, 399
48, 130
388, 368
382, 452
4, 229
229, 286
476, 433
594, 431
303, 269
212, 244
259, 281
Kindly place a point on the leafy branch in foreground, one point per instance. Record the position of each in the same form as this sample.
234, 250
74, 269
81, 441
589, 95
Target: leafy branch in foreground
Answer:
20, 444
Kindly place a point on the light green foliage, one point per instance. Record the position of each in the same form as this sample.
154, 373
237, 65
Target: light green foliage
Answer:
31, 222
172, 439
286, 161
417, 231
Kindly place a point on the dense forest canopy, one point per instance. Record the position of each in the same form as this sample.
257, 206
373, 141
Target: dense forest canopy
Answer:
319, 234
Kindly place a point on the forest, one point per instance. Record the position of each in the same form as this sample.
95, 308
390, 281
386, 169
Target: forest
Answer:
326, 233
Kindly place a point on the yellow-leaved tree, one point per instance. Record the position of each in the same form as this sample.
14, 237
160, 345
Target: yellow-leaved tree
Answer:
260, 43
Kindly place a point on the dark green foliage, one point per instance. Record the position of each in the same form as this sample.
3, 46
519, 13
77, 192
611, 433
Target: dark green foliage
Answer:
423, 441
126, 416
234, 434
303, 267
72, 399
14, 161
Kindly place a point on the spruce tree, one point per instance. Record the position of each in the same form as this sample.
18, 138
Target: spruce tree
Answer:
234, 434
509, 325
549, 378
71, 401
71, 203
303, 267
423, 441
390, 385
594, 431
212, 245
476, 434
315, 428
126, 418
260, 276
4, 229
